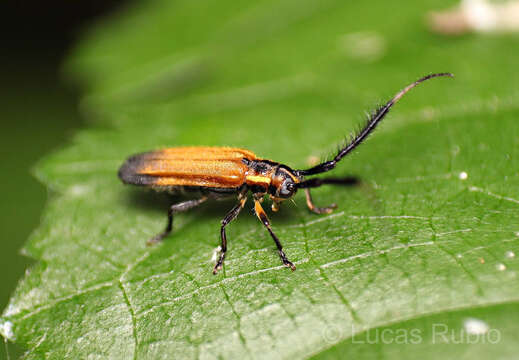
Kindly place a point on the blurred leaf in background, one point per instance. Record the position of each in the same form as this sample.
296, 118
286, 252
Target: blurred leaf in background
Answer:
23, 141
38, 112
430, 239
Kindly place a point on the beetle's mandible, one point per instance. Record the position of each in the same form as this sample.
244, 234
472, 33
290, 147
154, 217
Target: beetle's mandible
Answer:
224, 171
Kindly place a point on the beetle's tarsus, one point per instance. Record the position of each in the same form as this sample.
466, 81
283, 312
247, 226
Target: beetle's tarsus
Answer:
219, 263
288, 264
156, 239
285, 260
324, 210
216, 269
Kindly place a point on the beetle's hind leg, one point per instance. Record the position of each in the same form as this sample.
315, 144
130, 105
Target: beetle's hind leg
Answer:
260, 213
175, 208
231, 215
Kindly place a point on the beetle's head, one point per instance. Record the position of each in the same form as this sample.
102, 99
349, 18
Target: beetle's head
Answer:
283, 185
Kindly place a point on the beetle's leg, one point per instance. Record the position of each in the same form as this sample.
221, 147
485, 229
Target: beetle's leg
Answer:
318, 210
231, 215
260, 213
316, 182
175, 208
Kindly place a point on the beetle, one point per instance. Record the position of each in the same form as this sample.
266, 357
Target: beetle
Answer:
223, 171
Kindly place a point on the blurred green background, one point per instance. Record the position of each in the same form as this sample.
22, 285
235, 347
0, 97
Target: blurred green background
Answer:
38, 114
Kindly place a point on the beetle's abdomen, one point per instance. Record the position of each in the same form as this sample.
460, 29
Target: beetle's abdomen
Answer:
216, 167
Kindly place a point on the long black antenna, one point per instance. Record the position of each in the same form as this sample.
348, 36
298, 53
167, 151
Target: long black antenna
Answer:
372, 122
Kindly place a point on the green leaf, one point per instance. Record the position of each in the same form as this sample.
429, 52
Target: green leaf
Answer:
417, 243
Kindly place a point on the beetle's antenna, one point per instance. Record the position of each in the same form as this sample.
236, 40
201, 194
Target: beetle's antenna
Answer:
372, 122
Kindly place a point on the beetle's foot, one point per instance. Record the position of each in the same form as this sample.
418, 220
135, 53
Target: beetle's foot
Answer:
219, 264
156, 239
288, 264
216, 269
325, 210
285, 261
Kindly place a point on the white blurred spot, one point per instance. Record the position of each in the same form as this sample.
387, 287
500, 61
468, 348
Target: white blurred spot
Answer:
477, 16
463, 175
11, 310
428, 113
364, 46
78, 190
480, 14
509, 254
475, 326
501, 267
6, 330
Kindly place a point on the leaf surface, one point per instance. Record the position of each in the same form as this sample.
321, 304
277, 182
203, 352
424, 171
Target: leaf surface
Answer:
432, 230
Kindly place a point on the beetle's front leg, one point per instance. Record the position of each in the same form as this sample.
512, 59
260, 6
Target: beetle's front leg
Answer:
316, 182
315, 209
260, 213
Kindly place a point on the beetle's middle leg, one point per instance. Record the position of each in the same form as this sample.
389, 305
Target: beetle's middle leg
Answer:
175, 208
260, 213
231, 215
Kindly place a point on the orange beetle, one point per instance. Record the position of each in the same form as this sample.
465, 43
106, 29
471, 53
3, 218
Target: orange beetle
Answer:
224, 171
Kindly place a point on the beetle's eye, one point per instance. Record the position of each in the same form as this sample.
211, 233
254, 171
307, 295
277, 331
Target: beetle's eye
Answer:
287, 189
